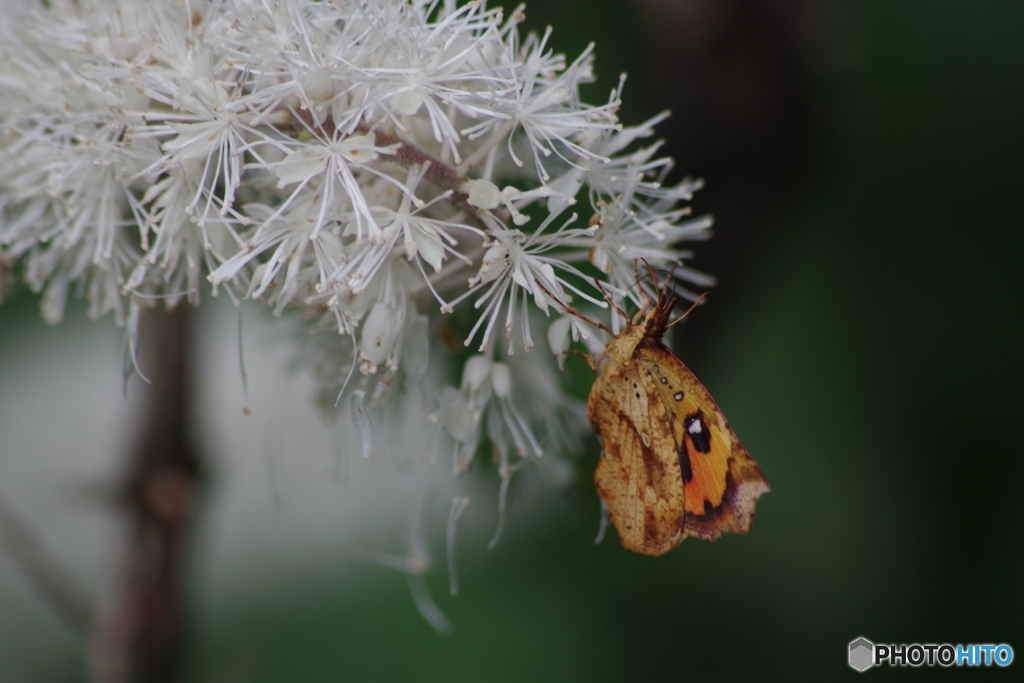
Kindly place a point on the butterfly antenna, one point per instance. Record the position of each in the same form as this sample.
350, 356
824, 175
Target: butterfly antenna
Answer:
609, 299
692, 306
639, 284
569, 309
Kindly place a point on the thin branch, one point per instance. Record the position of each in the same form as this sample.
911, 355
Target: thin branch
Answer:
27, 552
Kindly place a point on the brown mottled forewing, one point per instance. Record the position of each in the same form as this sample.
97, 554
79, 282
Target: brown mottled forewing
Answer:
721, 481
638, 477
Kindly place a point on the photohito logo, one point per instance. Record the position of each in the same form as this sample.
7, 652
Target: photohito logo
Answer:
864, 654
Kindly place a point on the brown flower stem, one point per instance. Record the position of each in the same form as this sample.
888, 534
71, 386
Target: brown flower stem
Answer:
139, 633
438, 173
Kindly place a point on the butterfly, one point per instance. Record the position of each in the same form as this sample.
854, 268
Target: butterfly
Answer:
672, 466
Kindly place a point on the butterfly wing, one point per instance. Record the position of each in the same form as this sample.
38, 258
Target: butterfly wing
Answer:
639, 476
721, 482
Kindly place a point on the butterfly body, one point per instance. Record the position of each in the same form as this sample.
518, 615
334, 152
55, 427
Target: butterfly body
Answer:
672, 466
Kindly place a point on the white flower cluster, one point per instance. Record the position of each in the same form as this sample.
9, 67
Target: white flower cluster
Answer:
403, 172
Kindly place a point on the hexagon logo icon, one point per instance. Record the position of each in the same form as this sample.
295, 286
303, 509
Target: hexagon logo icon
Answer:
862, 654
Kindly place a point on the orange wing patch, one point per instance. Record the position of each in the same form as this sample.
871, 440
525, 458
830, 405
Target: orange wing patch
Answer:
672, 466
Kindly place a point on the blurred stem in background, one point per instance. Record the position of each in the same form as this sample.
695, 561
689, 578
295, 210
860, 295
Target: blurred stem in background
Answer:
139, 632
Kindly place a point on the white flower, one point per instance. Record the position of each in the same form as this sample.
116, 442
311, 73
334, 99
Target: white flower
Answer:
517, 406
398, 174
513, 262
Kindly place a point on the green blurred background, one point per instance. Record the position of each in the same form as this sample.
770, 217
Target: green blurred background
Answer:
863, 161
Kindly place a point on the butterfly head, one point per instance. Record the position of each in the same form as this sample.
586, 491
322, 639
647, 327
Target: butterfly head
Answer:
656, 320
